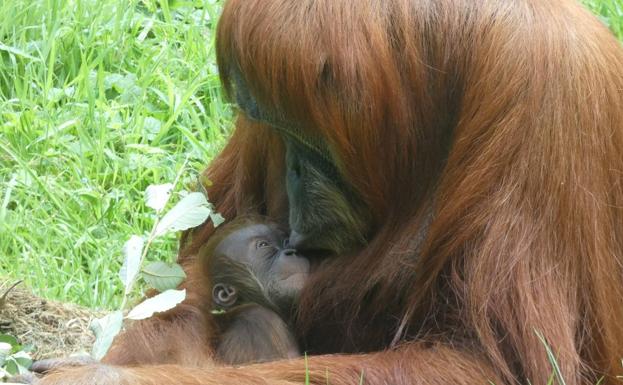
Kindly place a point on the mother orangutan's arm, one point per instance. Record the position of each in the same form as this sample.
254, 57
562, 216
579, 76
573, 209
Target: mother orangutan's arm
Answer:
413, 364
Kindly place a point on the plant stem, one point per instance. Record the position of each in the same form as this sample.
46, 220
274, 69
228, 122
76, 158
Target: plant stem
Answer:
152, 234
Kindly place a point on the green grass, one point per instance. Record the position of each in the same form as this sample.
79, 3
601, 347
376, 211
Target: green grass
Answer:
99, 99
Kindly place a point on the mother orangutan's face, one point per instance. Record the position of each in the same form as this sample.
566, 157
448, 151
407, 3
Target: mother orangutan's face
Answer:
324, 212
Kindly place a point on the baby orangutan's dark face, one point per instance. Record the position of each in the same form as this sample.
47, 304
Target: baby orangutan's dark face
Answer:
272, 267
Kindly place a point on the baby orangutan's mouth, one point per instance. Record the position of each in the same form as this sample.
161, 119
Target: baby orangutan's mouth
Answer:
295, 281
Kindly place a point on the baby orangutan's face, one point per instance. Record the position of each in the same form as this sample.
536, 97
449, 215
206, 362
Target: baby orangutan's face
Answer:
264, 249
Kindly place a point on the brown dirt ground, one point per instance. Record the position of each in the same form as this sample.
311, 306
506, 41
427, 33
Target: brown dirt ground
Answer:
55, 329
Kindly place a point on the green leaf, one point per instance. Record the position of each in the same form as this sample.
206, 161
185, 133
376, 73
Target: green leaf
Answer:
163, 276
23, 359
162, 302
190, 212
111, 80
217, 219
132, 251
18, 363
157, 195
5, 351
9, 339
105, 330
17, 52
151, 127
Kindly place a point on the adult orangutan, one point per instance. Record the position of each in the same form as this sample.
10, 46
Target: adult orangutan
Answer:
455, 170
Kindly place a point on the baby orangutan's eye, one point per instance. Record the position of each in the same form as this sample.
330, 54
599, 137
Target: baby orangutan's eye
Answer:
262, 244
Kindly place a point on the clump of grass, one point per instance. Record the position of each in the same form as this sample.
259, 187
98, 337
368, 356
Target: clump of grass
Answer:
98, 99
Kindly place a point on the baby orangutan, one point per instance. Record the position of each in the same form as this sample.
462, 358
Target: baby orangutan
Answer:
255, 279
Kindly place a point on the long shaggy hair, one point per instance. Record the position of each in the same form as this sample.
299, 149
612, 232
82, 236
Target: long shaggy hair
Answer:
487, 139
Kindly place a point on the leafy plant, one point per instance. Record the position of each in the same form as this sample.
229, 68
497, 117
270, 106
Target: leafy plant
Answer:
14, 358
191, 211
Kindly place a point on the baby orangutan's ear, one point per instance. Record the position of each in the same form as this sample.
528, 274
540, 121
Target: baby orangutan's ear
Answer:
224, 295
